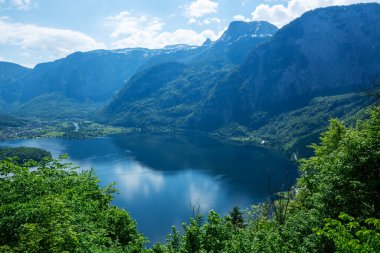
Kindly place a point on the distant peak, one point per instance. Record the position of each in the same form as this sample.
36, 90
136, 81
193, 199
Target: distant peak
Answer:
239, 29
8, 65
207, 42
254, 27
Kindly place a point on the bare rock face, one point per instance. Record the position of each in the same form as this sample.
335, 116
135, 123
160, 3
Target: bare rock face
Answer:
236, 43
238, 30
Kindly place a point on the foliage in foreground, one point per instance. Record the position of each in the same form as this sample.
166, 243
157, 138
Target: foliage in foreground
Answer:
53, 208
334, 207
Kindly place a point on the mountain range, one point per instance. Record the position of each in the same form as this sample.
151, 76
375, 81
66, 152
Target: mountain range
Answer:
302, 61
298, 63
254, 80
95, 77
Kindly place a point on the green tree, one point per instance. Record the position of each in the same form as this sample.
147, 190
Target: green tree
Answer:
193, 234
349, 235
174, 241
236, 217
216, 232
24, 154
344, 174
55, 208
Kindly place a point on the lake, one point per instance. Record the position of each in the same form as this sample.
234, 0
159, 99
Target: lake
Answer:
163, 178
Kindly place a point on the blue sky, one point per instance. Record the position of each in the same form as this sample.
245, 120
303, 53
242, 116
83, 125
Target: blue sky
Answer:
35, 31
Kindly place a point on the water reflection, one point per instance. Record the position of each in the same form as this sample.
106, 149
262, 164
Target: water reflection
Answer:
245, 167
137, 181
162, 178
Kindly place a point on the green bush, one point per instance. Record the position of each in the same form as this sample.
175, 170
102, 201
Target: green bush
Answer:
55, 208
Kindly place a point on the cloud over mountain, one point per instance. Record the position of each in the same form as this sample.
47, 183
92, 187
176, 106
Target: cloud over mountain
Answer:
50, 41
145, 31
282, 14
200, 8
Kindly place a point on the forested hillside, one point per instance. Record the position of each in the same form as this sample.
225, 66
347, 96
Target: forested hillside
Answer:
300, 68
10, 90
302, 61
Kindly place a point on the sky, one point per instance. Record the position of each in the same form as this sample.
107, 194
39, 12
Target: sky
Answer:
36, 31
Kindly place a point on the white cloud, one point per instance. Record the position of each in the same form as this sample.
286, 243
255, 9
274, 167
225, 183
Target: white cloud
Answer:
192, 21
199, 8
146, 31
38, 40
19, 4
282, 14
205, 21
241, 18
208, 21
22, 4
127, 24
159, 40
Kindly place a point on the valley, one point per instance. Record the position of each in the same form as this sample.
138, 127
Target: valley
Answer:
262, 139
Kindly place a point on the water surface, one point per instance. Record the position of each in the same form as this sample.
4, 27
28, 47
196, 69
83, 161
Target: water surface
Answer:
162, 178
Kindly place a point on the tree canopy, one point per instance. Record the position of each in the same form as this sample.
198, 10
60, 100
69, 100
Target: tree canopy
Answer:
24, 154
57, 208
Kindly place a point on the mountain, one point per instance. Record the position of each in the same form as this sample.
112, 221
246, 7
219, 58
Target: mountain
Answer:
94, 75
83, 76
282, 76
9, 74
170, 92
93, 78
236, 42
303, 60
82, 79
97, 75
163, 95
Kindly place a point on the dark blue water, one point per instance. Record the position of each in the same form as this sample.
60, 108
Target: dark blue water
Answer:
162, 178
